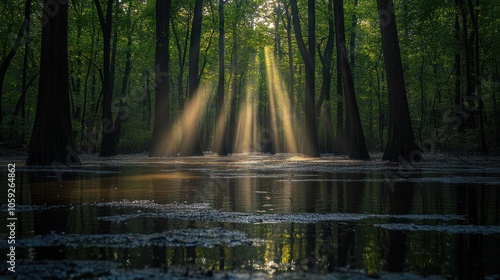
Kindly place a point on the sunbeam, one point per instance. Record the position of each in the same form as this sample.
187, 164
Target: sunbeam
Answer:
247, 138
190, 117
279, 105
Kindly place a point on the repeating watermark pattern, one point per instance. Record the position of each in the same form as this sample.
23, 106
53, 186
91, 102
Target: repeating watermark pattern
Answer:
11, 217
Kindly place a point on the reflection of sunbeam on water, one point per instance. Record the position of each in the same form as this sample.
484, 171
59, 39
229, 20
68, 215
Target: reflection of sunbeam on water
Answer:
279, 107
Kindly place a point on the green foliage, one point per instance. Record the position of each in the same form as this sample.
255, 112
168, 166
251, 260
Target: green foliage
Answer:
426, 34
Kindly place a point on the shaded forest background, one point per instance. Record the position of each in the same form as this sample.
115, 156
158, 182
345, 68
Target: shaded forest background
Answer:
449, 51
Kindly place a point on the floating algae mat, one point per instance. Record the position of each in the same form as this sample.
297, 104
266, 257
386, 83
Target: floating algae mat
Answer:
255, 216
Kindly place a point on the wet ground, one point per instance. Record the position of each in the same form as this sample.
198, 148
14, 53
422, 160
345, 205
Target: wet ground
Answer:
255, 216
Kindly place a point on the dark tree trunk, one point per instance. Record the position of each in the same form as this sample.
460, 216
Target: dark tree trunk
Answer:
340, 145
190, 142
4, 65
352, 44
220, 119
477, 75
160, 141
277, 38
310, 145
326, 83
468, 44
52, 138
147, 104
182, 56
91, 55
107, 141
122, 113
401, 142
355, 139
458, 67
234, 87
496, 89
291, 72
21, 103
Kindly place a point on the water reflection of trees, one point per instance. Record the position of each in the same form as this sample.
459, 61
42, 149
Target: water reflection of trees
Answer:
324, 246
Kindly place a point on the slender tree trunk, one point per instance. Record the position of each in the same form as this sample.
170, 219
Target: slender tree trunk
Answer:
120, 117
114, 44
356, 141
87, 75
52, 138
477, 75
147, 103
220, 119
182, 57
4, 65
469, 104
291, 72
160, 141
458, 68
107, 141
277, 38
190, 138
340, 142
21, 105
326, 70
381, 122
310, 145
234, 96
352, 44
401, 143
496, 89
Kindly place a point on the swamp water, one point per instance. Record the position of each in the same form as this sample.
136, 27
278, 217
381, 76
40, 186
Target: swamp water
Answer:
255, 216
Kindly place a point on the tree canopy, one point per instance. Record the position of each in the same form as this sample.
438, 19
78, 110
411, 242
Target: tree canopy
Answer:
266, 75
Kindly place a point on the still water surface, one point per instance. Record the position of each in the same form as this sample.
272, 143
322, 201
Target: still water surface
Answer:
259, 213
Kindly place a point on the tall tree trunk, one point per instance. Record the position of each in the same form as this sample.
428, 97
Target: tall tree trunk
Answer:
340, 142
310, 145
477, 75
162, 124
21, 104
469, 104
182, 56
52, 137
352, 44
220, 119
4, 65
495, 91
458, 67
234, 97
146, 103
356, 139
291, 72
190, 141
401, 142
326, 70
122, 114
87, 75
107, 141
